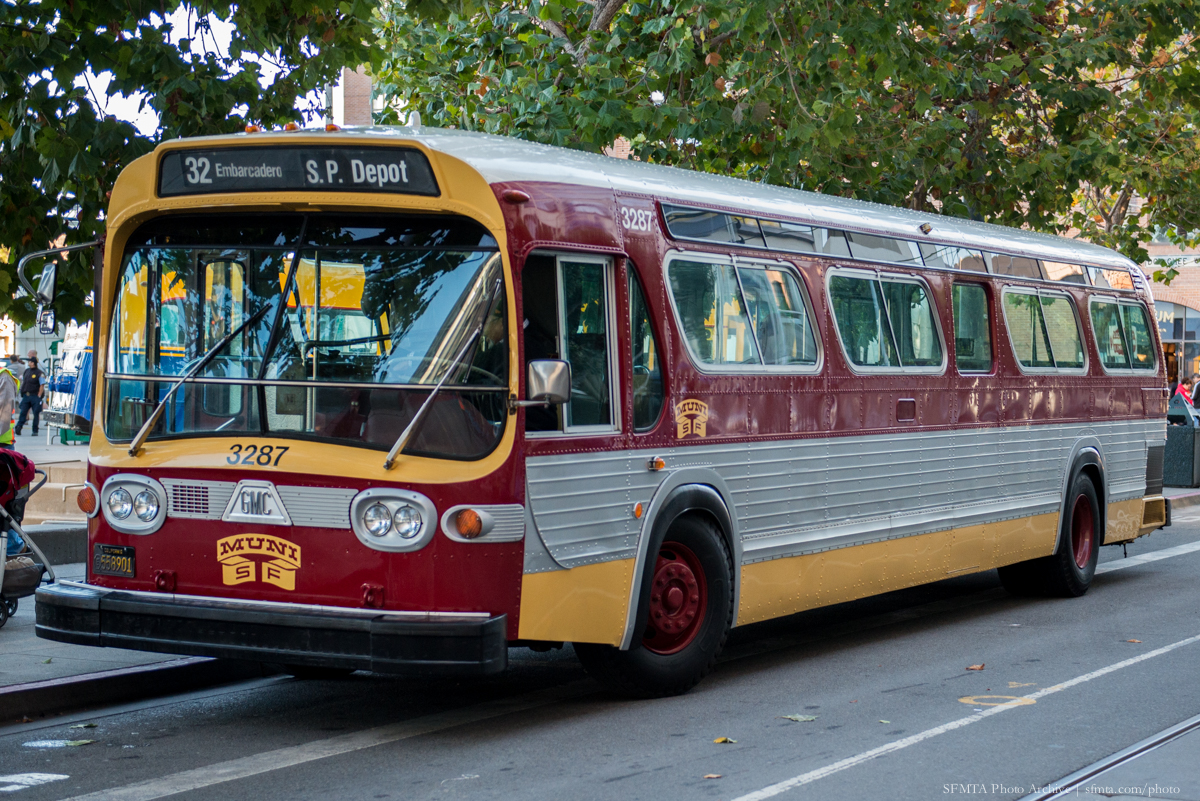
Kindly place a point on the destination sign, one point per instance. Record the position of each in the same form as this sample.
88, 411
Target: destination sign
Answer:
296, 168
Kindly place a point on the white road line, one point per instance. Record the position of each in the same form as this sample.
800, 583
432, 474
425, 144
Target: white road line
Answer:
268, 761
23, 781
1154, 556
866, 756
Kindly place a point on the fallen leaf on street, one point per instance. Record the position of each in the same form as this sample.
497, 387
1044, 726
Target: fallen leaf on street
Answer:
975, 667
712, 775
854, 702
1012, 685
800, 718
885, 721
83, 726
48, 661
1133, 641
724, 740
79, 742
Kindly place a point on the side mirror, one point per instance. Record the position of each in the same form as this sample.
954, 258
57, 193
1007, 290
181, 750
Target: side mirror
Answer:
548, 381
47, 287
46, 321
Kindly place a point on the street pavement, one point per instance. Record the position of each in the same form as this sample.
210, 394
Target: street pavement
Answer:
24, 657
895, 712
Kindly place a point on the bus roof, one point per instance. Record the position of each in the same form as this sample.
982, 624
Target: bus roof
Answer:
502, 159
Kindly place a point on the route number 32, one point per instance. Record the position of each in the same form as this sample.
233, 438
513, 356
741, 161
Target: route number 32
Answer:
197, 170
636, 219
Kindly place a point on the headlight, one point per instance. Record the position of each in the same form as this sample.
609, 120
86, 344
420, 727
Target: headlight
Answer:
119, 504
145, 505
377, 519
407, 521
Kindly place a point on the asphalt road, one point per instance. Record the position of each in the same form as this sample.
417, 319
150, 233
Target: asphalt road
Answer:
897, 714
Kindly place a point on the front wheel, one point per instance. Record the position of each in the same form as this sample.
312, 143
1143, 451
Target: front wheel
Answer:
690, 614
1068, 573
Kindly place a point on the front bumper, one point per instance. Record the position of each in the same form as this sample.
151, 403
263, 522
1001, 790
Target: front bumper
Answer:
321, 636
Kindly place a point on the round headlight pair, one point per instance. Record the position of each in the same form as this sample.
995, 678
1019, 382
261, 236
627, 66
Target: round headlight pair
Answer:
121, 504
378, 520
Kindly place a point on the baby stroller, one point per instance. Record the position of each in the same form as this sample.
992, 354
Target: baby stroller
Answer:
20, 575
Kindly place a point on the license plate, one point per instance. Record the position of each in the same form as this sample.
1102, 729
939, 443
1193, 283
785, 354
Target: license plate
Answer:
113, 560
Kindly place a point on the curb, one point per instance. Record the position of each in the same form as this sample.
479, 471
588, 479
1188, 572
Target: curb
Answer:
1184, 501
41, 699
63, 543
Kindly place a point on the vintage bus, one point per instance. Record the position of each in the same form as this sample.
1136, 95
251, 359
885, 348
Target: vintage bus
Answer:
399, 399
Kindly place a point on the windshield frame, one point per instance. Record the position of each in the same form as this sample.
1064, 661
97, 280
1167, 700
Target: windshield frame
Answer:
292, 253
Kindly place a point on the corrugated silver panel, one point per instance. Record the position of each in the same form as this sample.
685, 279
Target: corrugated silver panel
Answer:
583, 504
319, 507
802, 496
197, 500
509, 521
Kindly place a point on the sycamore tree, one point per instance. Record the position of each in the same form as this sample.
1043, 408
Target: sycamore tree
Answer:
61, 60
1060, 116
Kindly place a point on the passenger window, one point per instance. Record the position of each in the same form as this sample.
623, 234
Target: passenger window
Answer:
1063, 329
711, 314
779, 315
913, 326
885, 322
1062, 271
647, 364
1137, 332
881, 248
1110, 336
567, 304
952, 257
1044, 330
798, 238
858, 307
1015, 266
972, 329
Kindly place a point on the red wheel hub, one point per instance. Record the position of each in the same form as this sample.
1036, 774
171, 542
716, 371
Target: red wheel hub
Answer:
678, 600
1083, 531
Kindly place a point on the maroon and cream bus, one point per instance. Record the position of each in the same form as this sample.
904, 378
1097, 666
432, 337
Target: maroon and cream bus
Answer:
400, 399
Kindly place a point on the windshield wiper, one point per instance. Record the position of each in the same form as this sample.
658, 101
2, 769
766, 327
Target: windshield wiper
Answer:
144, 432
411, 428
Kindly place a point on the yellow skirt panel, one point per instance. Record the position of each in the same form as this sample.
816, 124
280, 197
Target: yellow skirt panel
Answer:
794, 584
584, 604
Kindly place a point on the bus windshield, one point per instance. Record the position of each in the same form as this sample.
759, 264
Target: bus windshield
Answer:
358, 318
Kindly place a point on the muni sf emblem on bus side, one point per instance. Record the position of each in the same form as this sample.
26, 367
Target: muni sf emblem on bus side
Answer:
691, 418
283, 560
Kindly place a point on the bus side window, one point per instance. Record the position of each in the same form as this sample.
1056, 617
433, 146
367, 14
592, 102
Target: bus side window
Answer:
568, 308
647, 363
972, 329
1027, 329
539, 283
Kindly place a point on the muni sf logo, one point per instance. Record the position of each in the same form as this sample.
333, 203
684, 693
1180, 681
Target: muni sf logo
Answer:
691, 418
283, 560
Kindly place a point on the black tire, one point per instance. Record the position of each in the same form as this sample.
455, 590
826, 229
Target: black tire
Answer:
4, 615
11, 605
1068, 573
313, 673
649, 669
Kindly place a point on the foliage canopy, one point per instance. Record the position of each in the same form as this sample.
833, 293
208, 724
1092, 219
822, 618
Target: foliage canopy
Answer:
59, 158
1056, 115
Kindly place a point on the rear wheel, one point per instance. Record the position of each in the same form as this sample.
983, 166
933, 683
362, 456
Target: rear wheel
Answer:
1069, 571
689, 616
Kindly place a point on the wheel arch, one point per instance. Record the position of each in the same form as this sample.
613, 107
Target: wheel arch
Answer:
1087, 458
687, 491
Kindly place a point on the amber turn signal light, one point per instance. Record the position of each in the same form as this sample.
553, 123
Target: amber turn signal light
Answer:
469, 523
252, 128
87, 501
329, 126
291, 126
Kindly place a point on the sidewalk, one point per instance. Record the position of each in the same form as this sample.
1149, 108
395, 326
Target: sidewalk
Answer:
41, 453
26, 658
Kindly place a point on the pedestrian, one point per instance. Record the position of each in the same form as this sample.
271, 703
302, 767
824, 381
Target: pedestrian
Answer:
1184, 389
8, 402
33, 386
